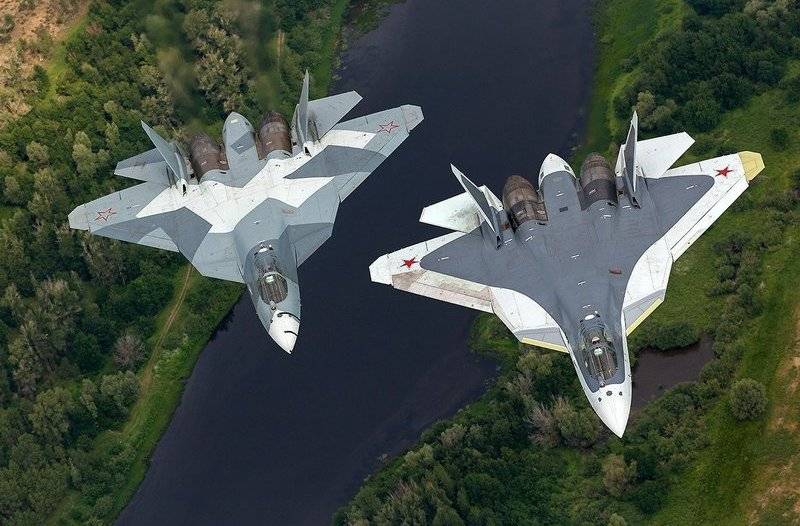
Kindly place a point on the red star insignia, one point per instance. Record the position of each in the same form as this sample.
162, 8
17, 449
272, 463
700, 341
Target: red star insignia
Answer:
408, 263
105, 214
388, 127
724, 172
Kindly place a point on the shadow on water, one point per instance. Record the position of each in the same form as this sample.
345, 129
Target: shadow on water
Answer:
656, 371
261, 437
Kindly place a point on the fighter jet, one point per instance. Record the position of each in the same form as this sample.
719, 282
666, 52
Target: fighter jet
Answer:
577, 264
255, 208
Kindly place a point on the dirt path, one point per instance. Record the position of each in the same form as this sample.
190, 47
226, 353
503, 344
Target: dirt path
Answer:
280, 41
147, 372
176, 308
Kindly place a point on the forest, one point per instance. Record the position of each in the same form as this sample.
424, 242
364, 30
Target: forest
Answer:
79, 315
531, 451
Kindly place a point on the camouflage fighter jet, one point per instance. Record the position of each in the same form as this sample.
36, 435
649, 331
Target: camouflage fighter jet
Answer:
254, 209
578, 263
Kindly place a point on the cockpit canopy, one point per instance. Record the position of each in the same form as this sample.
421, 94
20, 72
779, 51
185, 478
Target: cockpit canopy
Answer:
272, 286
597, 349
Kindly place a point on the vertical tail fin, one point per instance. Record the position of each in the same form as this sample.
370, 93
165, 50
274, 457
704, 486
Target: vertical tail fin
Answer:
171, 156
485, 208
300, 120
314, 118
626, 161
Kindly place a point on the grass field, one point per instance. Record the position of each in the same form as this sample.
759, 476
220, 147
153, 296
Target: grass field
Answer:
744, 475
749, 473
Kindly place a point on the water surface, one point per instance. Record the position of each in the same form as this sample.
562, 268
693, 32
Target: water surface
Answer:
261, 437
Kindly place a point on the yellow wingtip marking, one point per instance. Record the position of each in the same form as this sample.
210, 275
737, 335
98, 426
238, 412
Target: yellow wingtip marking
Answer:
753, 164
545, 345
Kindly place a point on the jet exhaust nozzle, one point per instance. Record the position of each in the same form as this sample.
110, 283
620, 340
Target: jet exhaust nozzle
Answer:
273, 136
597, 179
206, 155
522, 202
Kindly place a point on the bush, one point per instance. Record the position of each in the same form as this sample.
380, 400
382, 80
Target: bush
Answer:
715, 7
748, 399
702, 113
795, 180
779, 137
617, 474
673, 335
792, 87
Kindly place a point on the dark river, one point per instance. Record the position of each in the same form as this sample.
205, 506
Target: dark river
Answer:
262, 437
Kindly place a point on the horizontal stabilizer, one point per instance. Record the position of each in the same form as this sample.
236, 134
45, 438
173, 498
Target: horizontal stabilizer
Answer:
324, 114
484, 208
147, 166
656, 156
459, 213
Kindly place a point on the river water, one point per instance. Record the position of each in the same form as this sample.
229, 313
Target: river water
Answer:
261, 437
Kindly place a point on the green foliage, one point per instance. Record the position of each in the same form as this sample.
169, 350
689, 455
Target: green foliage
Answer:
78, 313
714, 63
747, 399
7, 25
716, 7
779, 136
664, 335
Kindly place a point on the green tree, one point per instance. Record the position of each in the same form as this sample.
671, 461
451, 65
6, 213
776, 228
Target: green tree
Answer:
747, 399
117, 392
617, 475
49, 416
129, 351
446, 516
577, 428
28, 368
88, 397
87, 162
38, 154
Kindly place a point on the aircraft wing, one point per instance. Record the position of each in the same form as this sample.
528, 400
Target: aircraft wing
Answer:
731, 175
353, 149
401, 269
115, 216
530, 323
688, 200
348, 154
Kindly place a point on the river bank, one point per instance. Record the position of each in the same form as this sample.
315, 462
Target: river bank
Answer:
517, 456
119, 457
266, 437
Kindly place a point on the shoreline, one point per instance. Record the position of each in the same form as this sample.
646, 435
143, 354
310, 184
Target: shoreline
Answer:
720, 470
163, 377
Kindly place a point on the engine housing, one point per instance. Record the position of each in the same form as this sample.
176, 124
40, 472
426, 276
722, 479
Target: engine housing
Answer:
273, 136
206, 155
522, 202
597, 180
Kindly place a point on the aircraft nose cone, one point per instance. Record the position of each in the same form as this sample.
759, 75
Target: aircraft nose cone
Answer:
284, 330
614, 409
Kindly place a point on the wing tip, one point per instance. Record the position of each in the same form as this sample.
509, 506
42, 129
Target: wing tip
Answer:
753, 164
378, 271
77, 218
412, 115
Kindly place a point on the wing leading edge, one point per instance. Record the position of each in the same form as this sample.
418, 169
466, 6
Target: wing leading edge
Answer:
731, 175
